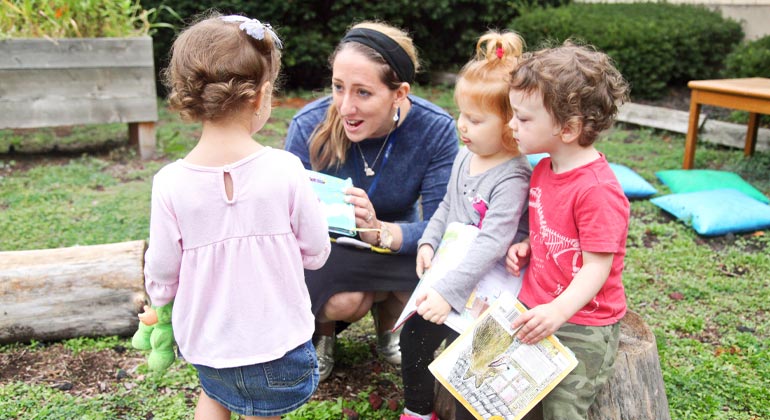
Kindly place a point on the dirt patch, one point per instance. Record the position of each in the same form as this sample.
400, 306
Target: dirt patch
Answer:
20, 162
348, 380
90, 373
126, 171
291, 102
85, 373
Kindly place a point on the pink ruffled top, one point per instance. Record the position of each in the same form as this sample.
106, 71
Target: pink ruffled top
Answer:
234, 267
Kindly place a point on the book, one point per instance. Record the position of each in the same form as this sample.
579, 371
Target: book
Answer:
493, 374
455, 243
357, 243
340, 215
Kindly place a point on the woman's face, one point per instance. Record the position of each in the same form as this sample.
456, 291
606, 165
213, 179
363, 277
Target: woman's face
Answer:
364, 102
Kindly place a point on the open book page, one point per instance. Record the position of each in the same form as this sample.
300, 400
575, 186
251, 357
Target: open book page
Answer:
495, 283
457, 240
340, 215
493, 374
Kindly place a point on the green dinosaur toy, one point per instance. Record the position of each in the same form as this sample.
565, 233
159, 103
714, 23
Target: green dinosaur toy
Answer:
155, 334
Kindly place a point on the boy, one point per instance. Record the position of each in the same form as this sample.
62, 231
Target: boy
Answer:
562, 99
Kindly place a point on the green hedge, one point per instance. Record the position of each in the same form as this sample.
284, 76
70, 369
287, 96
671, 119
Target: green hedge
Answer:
445, 31
750, 59
653, 44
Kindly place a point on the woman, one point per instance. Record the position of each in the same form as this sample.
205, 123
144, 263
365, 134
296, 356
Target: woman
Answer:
398, 149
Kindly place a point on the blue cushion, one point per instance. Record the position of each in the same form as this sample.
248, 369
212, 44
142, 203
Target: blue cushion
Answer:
634, 186
717, 212
535, 158
692, 180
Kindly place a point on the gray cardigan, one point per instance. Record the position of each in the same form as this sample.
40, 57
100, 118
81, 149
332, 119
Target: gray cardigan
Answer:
505, 189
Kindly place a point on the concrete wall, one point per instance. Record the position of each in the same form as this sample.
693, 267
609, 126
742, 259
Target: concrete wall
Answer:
754, 15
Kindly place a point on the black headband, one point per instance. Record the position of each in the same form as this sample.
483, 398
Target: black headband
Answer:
389, 49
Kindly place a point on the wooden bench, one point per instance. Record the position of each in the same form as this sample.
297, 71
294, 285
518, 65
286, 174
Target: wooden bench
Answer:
63, 82
748, 94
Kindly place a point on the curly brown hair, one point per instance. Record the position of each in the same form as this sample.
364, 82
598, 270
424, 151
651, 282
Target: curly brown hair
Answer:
216, 68
577, 83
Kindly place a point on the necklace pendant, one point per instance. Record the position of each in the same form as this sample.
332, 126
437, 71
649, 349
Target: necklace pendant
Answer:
368, 171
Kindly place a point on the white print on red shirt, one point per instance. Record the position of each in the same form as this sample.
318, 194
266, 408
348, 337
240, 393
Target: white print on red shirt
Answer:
556, 244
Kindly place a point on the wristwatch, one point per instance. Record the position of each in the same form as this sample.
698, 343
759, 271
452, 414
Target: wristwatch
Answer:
384, 237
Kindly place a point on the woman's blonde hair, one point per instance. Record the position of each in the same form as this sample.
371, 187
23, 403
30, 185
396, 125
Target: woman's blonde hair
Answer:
485, 79
328, 143
216, 68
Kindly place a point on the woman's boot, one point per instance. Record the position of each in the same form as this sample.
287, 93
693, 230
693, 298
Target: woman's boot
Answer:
387, 341
324, 350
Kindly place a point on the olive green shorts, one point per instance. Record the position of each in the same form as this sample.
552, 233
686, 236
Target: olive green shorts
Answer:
595, 349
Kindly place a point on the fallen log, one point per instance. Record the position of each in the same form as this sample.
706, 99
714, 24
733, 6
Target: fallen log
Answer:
81, 291
635, 392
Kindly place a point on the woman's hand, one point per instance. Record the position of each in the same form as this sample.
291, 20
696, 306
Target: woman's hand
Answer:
366, 216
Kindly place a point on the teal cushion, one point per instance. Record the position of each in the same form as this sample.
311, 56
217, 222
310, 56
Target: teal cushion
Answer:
692, 180
535, 158
717, 212
634, 186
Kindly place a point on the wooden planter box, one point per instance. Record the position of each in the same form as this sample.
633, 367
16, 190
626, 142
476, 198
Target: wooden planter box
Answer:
48, 83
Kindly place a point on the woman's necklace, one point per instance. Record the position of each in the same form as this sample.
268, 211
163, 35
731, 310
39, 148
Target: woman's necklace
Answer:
368, 169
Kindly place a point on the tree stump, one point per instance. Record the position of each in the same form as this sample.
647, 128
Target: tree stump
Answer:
635, 392
82, 291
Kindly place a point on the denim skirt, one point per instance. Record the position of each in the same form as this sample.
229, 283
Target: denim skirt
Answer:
264, 389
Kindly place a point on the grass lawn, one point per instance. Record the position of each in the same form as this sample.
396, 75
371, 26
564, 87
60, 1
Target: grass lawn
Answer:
706, 299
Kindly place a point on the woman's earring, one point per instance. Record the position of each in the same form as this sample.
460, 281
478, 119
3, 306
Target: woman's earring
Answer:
397, 115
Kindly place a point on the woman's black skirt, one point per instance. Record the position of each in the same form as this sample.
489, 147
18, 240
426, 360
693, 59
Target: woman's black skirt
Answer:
351, 269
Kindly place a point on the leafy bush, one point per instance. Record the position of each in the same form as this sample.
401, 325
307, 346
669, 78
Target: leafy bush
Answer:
75, 19
750, 59
653, 44
444, 36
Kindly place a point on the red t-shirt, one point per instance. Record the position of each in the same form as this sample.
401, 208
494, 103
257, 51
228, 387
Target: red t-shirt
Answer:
584, 209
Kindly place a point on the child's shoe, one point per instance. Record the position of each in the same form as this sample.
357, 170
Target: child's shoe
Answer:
405, 416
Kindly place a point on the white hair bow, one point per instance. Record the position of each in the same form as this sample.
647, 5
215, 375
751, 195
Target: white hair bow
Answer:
254, 28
